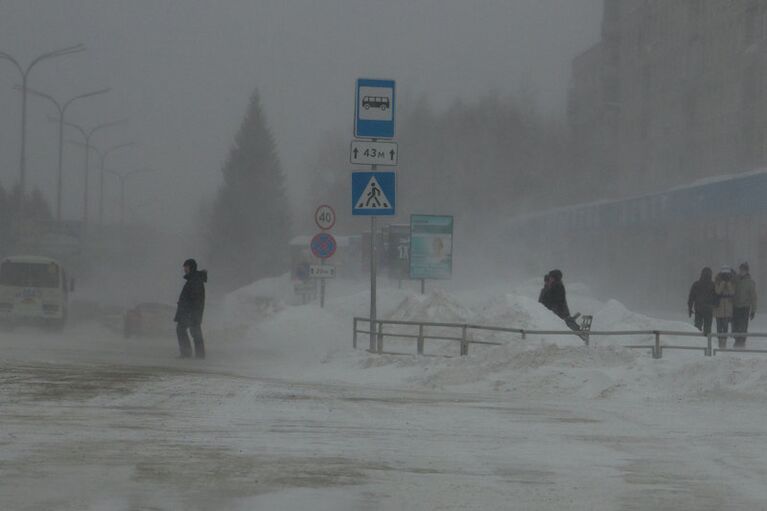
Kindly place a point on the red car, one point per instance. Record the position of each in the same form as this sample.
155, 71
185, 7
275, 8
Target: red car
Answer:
150, 320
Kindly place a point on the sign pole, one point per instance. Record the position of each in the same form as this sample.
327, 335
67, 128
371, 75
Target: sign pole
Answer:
372, 283
374, 113
373, 265
322, 288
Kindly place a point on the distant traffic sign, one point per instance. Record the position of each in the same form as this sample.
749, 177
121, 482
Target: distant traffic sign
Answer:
374, 109
365, 152
323, 245
322, 271
373, 193
325, 217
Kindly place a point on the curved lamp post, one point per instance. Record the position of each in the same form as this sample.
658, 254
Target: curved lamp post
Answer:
62, 108
24, 72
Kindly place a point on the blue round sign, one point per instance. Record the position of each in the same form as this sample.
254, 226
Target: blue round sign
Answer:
323, 245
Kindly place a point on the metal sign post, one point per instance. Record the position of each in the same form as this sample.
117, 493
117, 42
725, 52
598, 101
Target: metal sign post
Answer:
322, 288
372, 281
373, 193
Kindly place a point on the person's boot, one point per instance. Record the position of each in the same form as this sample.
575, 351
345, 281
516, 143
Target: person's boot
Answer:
199, 350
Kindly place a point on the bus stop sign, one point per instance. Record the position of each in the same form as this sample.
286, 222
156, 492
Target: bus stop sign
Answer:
374, 109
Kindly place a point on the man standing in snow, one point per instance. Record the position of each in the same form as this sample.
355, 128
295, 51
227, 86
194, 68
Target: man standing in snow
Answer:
701, 301
744, 304
191, 305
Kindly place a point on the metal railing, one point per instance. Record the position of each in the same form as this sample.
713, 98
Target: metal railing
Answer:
377, 335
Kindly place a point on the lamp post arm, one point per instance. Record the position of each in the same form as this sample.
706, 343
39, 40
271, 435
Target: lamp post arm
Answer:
72, 125
43, 95
83, 96
55, 53
5, 56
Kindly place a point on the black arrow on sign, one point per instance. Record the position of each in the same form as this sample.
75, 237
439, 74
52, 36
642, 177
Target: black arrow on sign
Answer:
356, 151
391, 154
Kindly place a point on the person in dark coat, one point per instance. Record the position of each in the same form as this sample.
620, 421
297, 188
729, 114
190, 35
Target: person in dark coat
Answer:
191, 306
555, 299
544, 290
701, 301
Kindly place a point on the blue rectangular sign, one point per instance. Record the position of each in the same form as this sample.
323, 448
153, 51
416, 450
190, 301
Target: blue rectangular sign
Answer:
431, 246
374, 193
374, 108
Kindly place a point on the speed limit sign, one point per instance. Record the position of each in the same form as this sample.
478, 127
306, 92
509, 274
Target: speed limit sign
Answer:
325, 217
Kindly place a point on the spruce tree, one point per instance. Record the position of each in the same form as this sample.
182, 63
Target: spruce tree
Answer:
249, 229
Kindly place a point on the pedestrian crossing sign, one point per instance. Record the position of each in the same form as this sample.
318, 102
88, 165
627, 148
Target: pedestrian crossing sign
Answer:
373, 193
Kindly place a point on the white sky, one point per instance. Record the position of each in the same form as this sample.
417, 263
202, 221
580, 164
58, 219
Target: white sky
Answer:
182, 71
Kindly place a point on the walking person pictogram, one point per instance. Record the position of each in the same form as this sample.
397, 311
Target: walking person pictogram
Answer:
373, 195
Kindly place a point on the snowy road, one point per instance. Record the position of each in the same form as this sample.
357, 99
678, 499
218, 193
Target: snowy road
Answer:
139, 434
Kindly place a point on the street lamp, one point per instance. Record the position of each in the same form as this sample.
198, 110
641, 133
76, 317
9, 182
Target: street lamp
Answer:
62, 108
24, 72
103, 157
87, 134
123, 178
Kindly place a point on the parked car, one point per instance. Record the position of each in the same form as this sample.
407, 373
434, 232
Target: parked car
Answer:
149, 319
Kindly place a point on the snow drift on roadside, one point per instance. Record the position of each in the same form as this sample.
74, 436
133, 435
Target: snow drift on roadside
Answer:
316, 343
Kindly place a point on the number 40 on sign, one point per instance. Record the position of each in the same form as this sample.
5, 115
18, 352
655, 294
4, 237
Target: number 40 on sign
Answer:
325, 217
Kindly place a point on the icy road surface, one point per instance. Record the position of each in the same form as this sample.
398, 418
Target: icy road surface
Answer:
89, 422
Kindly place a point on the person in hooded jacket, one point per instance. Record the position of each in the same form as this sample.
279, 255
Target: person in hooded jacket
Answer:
555, 299
191, 306
724, 289
701, 301
544, 290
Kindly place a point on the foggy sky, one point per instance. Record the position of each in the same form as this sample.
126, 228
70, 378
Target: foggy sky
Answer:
182, 72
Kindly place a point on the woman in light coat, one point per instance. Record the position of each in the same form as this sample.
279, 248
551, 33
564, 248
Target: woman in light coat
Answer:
724, 289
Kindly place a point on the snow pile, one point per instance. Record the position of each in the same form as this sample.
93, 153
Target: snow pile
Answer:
517, 311
436, 307
316, 344
357, 303
721, 376
615, 316
257, 300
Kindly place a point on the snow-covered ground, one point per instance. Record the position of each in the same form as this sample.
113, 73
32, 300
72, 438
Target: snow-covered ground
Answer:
285, 415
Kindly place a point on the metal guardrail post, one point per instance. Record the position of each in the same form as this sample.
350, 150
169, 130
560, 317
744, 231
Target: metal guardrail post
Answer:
372, 329
464, 344
380, 337
710, 346
420, 339
354, 338
586, 328
657, 353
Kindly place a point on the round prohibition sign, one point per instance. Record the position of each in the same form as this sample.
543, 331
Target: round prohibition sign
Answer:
325, 217
323, 245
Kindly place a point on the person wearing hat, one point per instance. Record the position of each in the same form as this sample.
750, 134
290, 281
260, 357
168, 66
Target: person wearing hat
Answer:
191, 305
555, 299
724, 291
700, 301
744, 303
